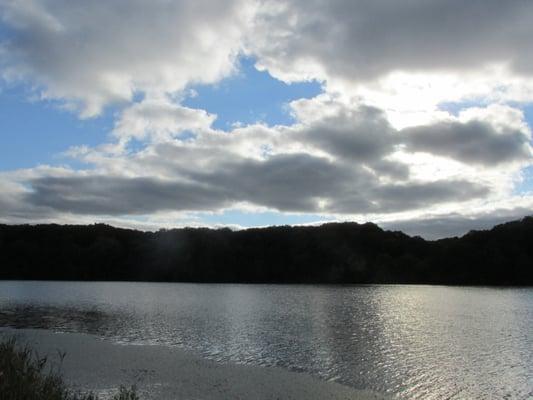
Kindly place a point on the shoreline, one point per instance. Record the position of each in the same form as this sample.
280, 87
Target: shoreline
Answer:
167, 373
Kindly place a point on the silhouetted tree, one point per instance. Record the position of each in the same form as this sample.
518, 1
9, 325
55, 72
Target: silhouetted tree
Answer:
331, 253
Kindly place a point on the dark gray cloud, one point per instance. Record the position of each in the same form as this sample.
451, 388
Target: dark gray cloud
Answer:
359, 135
474, 142
363, 39
15, 209
455, 224
418, 195
393, 169
364, 136
121, 195
304, 183
292, 182
389, 198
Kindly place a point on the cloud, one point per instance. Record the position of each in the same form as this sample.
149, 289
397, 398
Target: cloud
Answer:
475, 142
455, 224
375, 198
363, 40
339, 161
91, 54
109, 195
359, 134
293, 182
419, 195
15, 209
88, 55
159, 120
487, 137
377, 143
290, 182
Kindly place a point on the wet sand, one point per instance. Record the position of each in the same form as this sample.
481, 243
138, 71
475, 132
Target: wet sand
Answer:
165, 373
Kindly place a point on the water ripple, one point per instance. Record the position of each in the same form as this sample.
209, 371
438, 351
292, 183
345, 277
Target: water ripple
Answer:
417, 342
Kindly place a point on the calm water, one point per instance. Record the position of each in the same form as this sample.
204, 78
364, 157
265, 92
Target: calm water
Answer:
414, 341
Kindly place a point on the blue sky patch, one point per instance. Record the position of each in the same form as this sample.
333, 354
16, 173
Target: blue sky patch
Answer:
250, 96
247, 220
526, 186
455, 107
33, 133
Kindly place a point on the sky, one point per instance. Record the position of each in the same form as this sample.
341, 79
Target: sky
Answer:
414, 115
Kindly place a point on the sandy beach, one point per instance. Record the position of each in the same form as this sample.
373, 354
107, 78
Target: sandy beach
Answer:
165, 373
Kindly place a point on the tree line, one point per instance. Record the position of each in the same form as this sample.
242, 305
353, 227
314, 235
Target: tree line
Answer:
331, 253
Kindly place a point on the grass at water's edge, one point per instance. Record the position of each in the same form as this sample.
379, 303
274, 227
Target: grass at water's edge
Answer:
24, 375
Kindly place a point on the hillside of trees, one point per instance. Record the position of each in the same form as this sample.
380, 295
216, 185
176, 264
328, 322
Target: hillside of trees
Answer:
331, 253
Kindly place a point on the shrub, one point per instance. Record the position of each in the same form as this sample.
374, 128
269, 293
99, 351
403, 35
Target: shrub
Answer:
24, 375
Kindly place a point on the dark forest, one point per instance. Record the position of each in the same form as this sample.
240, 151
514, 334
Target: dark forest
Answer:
346, 253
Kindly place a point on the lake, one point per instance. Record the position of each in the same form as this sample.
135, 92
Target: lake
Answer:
411, 341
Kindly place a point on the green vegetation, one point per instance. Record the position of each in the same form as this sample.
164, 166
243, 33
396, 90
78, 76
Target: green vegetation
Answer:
26, 376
